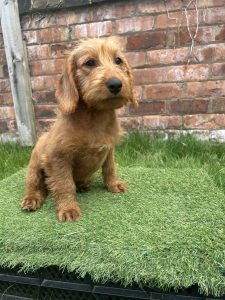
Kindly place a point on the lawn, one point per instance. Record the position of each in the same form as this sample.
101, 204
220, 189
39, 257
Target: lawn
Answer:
167, 231
13, 158
139, 150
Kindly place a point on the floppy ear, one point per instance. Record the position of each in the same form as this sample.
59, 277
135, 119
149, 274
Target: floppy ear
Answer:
133, 98
66, 92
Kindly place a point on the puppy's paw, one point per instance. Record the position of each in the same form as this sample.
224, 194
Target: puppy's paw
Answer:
31, 203
117, 186
69, 213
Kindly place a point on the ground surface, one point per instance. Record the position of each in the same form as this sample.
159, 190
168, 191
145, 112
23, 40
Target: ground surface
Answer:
166, 231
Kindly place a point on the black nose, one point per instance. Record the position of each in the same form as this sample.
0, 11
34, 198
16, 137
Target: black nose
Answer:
114, 85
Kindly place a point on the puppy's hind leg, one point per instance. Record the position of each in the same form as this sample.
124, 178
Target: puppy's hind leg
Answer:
36, 190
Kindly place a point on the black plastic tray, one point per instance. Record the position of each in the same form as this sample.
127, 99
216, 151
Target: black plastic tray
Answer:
54, 284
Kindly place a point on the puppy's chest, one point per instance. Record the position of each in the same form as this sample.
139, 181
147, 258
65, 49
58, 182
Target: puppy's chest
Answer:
97, 142
90, 158
97, 149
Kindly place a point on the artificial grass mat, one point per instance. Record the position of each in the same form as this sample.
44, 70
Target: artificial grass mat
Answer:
166, 231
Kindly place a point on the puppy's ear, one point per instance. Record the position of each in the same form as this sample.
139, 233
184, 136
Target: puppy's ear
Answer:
133, 99
66, 92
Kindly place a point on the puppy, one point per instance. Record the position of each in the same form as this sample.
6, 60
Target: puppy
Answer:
97, 80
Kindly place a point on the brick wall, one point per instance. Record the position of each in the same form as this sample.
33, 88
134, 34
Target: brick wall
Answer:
180, 90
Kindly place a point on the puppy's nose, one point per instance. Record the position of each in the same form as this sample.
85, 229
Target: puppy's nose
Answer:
114, 85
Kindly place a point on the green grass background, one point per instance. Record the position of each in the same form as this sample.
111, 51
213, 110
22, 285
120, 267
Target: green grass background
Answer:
166, 231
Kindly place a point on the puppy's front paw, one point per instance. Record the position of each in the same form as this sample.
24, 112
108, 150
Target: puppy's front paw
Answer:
117, 186
31, 203
69, 213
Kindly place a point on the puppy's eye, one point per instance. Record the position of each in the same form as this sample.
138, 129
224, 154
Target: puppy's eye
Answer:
91, 63
118, 61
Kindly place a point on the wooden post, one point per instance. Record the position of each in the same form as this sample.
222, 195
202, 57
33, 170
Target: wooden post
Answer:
18, 71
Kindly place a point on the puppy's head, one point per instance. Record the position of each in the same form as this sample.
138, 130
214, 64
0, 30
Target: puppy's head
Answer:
97, 73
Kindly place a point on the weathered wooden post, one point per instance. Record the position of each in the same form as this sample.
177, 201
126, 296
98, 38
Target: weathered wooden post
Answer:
17, 62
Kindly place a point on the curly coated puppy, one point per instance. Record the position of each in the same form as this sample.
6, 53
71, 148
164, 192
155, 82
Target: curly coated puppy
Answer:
97, 80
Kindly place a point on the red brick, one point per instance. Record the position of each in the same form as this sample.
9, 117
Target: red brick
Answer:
116, 11
122, 111
168, 56
34, 21
60, 50
187, 72
44, 125
131, 122
47, 82
1, 41
1, 99
122, 41
210, 53
97, 29
218, 105
204, 4
214, 15
218, 69
45, 111
205, 35
200, 106
3, 126
138, 92
220, 36
4, 85
162, 122
150, 107
79, 31
7, 99
31, 37
83, 15
147, 40
2, 56
100, 29
206, 89
146, 76
188, 106
61, 19
155, 6
4, 71
162, 91
176, 19
134, 24
44, 97
172, 39
136, 59
52, 35
204, 121
45, 67
7, 112
38, 52
182, 37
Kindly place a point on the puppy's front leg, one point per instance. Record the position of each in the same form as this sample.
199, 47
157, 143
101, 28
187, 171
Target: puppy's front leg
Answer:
111, 182
60, 183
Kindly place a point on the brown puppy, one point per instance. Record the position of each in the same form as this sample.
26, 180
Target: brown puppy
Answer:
97, 80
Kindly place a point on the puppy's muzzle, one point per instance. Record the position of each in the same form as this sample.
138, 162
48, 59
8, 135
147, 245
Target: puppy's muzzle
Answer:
114, 85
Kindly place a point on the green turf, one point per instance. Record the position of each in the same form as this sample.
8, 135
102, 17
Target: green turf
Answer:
13, 157
139, 150
166, 231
